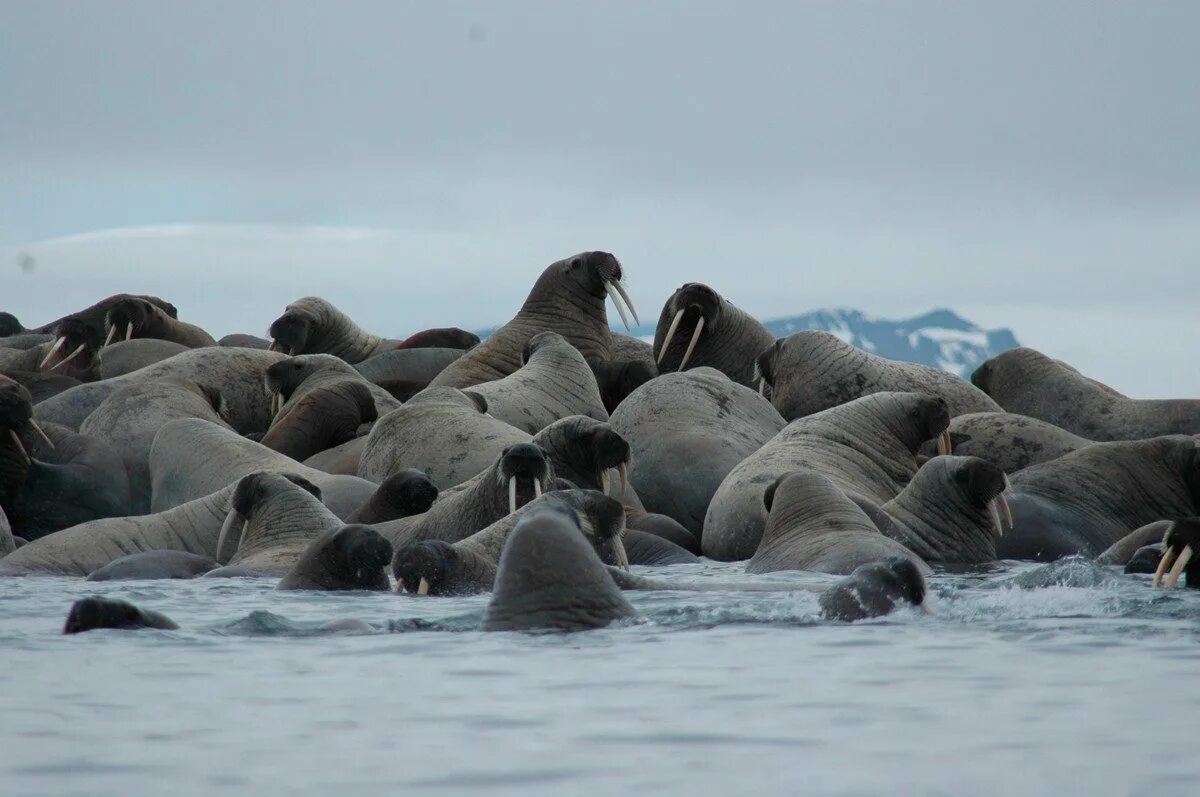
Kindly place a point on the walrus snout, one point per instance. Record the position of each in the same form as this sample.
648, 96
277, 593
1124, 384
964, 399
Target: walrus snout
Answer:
1180, 544
988, 484
364, 550
526, 471
422, 567
289, 333
694, 304
604, 276
764, 366
128, 317
74, 341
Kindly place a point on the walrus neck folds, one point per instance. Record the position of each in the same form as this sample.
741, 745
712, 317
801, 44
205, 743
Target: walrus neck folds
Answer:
344, 338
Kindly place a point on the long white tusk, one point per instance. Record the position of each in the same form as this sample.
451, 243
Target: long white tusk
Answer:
128, 330
423, 587
41, 432
1167, 557
604, 485
69, 357
996, 518
225, 527
271, 346
20, 446
623, 472
1003, 502
762, 386
687, 355
112, 331
619, 549
1180, 563
58, 344
629, 302
943, 443
616, 299
537, 489
670, 336
512, 494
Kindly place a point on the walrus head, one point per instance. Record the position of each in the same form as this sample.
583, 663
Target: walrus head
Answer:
356, 557
1180, 544
984, 484
525, 472
424, 567
96, 612
588, 452
405, 493
599, 274
874, 589
539, 341
601, 518
618, 378
928, 419
134, 318
16, 416
75, 343
691, 309
9, 325
251, 489
300, 326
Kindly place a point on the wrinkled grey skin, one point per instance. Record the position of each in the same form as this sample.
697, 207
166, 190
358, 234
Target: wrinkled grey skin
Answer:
154, 565
457, 515
23, 359
294, 377
812, 371
344, 459
126, 356
25, 340
651, 550
275, 516
1085, 501
42, 385
944, 514
568, 298
598, 516
1028, 382
129, 419
1123, 550
1007, 440
555, 382
7, 543
410, 365
662, 526
550, 578
812, 525
618, 379
874, 590
88, 614
629, 349
314, 326
867, 447
729, 341
447, 570
237, 373
192, 458
143, 319
94, 315
320, 419
240, 340
352, 557
403, 494
442, 431
687, 432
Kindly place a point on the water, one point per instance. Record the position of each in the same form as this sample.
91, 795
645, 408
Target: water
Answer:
1031, 679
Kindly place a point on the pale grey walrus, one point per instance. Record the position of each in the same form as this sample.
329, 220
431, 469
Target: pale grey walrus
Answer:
1028, 382
126, 356
312, 325
1007, 440
867, 447
812, 371
154, 565
699, 327
812, 525
272, 519
568, 298
289, 380
550, 578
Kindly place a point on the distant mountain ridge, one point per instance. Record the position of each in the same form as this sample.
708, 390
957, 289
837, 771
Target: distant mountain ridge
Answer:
940, 338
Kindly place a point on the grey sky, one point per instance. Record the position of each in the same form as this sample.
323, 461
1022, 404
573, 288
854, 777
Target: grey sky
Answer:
1029, 164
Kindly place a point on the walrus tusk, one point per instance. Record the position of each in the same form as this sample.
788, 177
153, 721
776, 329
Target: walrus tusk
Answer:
512, 494
271, 346
943, 443
20, 446
629, 302
608, 286
619, 550
58, 344
670, 336
604, 482
1003, 502
1180, 563
423, 587
996, 517
128, 330
537, 489
762, 386
1167, 557
687, 355
69, 357
41, 432
225, 527
112, 331
623, 472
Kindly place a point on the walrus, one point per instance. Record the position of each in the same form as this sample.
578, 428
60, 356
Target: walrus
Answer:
312, 325
1180, 544
1007, 440
812, 371
93, 316
407, 365
440, 338
1028, 382
812, 525
154, 565
618, 379
436, 567
40, 385
73, 352
321, 419
351, 557
403, 494
867, 447
550, 578
89, 614
568, 298
290, 380
139, 318
699, 327
874, 590
553, 382
10, 326
126, 356
278, 515
1124, 549
954, 510
1085, 501
686, 432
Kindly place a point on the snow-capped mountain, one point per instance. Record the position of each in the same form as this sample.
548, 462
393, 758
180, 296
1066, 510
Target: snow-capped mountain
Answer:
940, 338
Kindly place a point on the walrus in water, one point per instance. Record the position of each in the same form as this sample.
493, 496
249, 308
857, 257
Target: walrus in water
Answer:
550, 578
353, 557
1180, 544
568, 298
874, 590
96, 612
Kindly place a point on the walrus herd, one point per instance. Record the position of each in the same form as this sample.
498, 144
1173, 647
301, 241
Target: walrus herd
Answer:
542, 463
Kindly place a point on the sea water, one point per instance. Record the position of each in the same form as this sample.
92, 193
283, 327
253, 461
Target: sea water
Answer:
1067, 678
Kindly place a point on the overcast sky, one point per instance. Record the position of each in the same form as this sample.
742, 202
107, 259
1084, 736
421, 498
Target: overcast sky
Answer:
1032, 165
